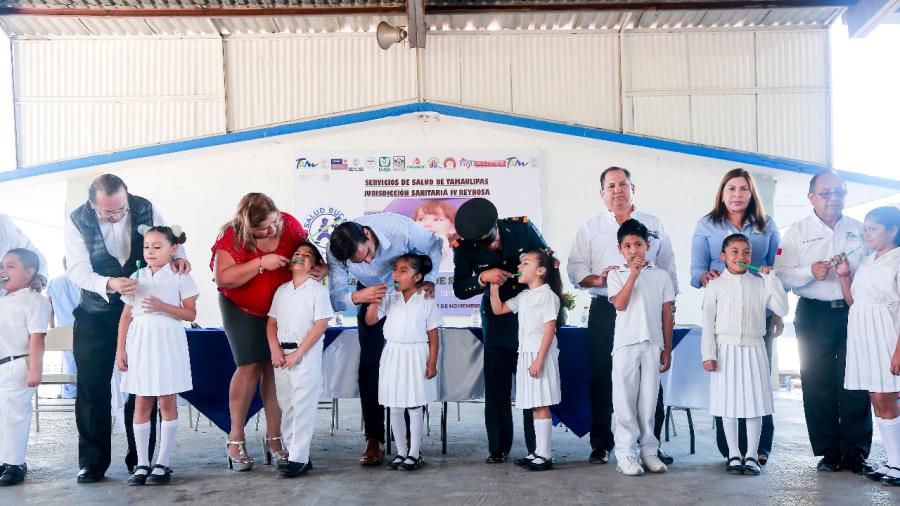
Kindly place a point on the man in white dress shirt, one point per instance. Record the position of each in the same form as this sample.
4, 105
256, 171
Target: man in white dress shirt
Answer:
102, 248
11, 238
594, 254
839, 421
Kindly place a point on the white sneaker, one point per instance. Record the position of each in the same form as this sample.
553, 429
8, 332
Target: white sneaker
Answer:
653, 464
629, 466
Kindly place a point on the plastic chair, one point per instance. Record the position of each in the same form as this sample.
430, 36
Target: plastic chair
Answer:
57, 339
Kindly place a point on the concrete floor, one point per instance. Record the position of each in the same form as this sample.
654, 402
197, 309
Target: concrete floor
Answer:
460, 477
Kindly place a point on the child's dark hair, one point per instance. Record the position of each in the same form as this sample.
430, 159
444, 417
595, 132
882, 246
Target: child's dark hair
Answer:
419, 263
734, 238
632, 226
553, 278
30, 260
889, 217
169, 234
317, 255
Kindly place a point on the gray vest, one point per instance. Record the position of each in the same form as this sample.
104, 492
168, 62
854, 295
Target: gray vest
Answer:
102, 262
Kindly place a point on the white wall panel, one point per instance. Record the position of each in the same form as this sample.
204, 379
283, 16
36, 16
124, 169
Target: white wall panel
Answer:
442, 69
667, 117
722, 59
656, 61
573, 79
485, 72
76, 97
794, 125
274, 80
727, 121
792, 58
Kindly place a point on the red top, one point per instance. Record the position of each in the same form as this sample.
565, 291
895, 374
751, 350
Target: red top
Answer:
255, 296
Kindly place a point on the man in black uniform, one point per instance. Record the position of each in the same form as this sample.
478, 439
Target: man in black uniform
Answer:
489, 253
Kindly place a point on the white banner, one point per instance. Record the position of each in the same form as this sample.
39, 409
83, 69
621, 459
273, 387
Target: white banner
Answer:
331, 187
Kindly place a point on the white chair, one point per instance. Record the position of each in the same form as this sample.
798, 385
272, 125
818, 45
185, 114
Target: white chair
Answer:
57, 339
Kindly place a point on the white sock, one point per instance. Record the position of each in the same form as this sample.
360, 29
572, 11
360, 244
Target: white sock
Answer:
542, 428
416, 422
885, 438
754, 430
142, 442
166, 441
398, 427
730, 426
890, 435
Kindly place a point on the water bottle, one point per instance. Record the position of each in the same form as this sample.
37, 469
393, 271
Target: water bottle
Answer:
476, 319
585, 316
338, 319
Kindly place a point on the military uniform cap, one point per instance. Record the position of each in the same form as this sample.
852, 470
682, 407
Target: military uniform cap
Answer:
476, 219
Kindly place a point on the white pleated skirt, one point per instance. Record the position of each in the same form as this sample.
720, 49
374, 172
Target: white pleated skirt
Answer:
871, 340
541, 391
740, 387
158, 359
401, 376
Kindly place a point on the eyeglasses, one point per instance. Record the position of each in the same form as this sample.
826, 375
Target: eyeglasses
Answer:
112, 214
838, 194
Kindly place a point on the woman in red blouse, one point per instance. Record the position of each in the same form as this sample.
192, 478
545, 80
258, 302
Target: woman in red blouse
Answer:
250, 260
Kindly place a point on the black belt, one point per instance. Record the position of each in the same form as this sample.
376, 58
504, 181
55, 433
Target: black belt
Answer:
288, 346
10, 359
829, 304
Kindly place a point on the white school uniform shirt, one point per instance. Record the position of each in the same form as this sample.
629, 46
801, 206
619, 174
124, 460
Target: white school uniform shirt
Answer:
734, 310
22, 313
166, 285
408, 321
809, 241
296, 309
642, 319
597, 247
535, 308
116, 237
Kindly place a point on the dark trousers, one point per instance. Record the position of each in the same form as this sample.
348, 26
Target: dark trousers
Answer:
768, 426
839, 421
499, 369
601, 329
94, 347
371, 344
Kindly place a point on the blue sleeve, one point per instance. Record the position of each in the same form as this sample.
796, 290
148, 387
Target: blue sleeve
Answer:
338, 279
774, 241
701, 257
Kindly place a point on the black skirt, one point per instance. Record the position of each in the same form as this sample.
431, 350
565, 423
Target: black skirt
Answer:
246, 334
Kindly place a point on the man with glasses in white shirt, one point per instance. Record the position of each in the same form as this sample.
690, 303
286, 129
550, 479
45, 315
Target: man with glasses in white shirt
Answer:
102, 248
839, 421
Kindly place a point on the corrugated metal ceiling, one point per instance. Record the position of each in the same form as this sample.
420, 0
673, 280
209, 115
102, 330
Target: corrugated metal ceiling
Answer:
51, 26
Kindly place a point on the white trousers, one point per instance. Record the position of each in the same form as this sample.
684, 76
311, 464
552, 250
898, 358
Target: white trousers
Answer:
298, 390
15, 412
635, 381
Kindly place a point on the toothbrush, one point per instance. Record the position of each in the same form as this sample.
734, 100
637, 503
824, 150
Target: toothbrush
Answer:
138, 272
847, 254
744, 264
297, 261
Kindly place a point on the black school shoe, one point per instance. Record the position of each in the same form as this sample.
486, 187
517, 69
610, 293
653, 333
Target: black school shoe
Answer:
160, 479
88, 475
139, 479
524, 461
541, 464
856, 464
13, 475
496, 458
599, 456
411, 463
293, 469
828, 464
734, 466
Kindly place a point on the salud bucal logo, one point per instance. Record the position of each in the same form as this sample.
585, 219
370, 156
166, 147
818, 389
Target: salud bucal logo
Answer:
320, 222
306, 163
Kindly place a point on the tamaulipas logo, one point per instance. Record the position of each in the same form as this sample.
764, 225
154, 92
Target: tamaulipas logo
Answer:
513, 162
306, 163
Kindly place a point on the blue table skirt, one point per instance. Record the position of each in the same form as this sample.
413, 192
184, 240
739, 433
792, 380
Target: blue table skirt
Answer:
212, 367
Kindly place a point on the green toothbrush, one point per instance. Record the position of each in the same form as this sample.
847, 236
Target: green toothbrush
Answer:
138, 272
744, 264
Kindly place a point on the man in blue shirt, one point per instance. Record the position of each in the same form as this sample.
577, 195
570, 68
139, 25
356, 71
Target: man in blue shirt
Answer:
64, 296
365, 248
